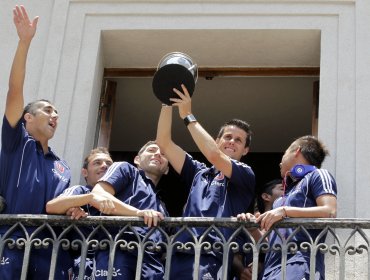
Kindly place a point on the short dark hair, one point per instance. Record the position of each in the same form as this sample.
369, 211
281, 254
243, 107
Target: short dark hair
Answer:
33, 106
98, 150
266, 188
240, 124
313, 150
142, 149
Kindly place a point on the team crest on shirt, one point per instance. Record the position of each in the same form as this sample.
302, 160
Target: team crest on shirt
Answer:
297, 188
59, 167
220, 176
58, 170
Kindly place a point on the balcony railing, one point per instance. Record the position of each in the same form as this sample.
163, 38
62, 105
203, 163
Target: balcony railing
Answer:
346, 247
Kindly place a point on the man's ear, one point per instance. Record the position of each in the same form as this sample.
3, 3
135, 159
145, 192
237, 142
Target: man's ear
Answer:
27, 117
167, 170
137, 160
84, 172
246, 150
266, 197
297, 151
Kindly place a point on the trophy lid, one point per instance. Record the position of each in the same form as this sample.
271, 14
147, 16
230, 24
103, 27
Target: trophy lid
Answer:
173, 70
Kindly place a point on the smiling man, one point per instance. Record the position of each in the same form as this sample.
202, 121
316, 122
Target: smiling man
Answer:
124, 190
309, 192
30, 172
76, 200
220, 191
133, 193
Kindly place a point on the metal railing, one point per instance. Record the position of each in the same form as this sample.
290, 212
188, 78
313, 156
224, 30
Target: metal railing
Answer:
345, 248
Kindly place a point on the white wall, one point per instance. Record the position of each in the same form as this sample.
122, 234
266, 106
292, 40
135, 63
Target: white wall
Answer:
65, 65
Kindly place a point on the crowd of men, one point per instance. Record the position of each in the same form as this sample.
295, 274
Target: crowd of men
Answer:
34, 180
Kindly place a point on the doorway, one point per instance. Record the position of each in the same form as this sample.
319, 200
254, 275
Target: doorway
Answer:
279, 110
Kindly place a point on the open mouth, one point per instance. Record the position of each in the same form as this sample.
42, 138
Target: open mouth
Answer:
230, 149
155, 161
53, 124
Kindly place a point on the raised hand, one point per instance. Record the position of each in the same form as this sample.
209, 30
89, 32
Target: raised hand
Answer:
25, 28
183, 102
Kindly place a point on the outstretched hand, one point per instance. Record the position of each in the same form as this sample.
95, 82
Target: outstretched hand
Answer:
183, 102
25, 28
151, 217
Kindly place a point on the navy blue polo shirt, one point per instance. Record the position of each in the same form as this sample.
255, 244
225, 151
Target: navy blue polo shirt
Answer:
79, 190
214, 195
28, 178
301, 193
133, 187
92, 211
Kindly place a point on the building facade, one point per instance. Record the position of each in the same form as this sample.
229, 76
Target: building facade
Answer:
66, 65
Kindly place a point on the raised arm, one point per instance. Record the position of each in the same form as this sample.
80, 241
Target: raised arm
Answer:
174, 154
26, 30
206, 144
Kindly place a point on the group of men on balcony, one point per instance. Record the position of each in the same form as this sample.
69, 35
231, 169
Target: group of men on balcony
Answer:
34, 180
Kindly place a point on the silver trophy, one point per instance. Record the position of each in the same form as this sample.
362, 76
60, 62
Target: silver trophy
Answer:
174, 69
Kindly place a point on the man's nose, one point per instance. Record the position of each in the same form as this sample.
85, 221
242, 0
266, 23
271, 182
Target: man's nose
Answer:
54, 115
232, 140
158, 154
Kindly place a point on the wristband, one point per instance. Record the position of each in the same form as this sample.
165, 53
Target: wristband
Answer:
189, 119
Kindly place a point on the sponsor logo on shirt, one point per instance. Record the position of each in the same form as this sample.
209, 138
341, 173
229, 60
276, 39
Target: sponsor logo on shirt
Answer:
4, 261
75, 277
219, 180
103, 272
218, 184
89, 268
